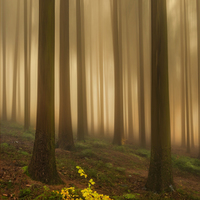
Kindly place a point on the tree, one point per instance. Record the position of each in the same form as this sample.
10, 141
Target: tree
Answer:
186, 39
43, 165
160, 170
26, 69
183, 112
198, 46
15, 68
4, 103
82, 105
118, 116
65, 135
141, 80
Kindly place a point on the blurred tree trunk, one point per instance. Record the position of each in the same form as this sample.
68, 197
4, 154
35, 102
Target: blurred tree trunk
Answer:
141, 80
129, 94
101, 69
198, 46
183, 142
186, 74
160, 170
4, 98
15, 68
43, 164
81, 78
26, 68
65, 134
118, 115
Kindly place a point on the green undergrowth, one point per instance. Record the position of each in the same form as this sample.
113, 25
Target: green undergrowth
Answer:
187, 164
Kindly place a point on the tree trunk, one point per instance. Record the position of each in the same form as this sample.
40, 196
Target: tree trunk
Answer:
101, 69
186, 75
141, 80
160, 170
4, 98
65, 134
118, 116
198, 46
183, 142
43, 164
26, 71
15, 68
82, 117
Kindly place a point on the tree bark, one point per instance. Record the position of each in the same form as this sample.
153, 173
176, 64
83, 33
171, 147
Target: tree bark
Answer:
65, 134
160, 170
43, 164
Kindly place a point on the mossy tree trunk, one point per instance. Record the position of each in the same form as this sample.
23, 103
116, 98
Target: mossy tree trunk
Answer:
65, 135
160, 170
43, 164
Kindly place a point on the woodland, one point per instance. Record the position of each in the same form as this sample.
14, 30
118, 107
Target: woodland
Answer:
100, 99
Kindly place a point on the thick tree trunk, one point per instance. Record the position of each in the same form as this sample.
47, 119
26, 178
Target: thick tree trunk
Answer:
43, 164
141, 80
4, 98
160, 170
65, 134
15, 68
118, 116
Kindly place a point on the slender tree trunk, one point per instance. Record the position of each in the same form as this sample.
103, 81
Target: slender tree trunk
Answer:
26, 72
130, 107
183, 142
118, 116
101, 68
82, 117
4, 99
141, 80
65, 135
91, 77
160, 170
186, 76
15, 70
43, 164
198, 46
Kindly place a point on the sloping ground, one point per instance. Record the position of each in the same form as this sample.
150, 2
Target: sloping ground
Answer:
118, 171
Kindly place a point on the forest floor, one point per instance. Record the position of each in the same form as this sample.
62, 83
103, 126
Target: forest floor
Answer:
118, 171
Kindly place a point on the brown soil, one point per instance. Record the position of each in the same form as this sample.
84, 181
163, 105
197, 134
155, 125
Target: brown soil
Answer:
11, 172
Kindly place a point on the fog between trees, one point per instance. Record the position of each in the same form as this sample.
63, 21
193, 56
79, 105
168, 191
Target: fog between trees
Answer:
98, 83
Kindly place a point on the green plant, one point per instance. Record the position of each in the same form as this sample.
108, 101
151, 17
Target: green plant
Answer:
131, 196
85, 194
24, 192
